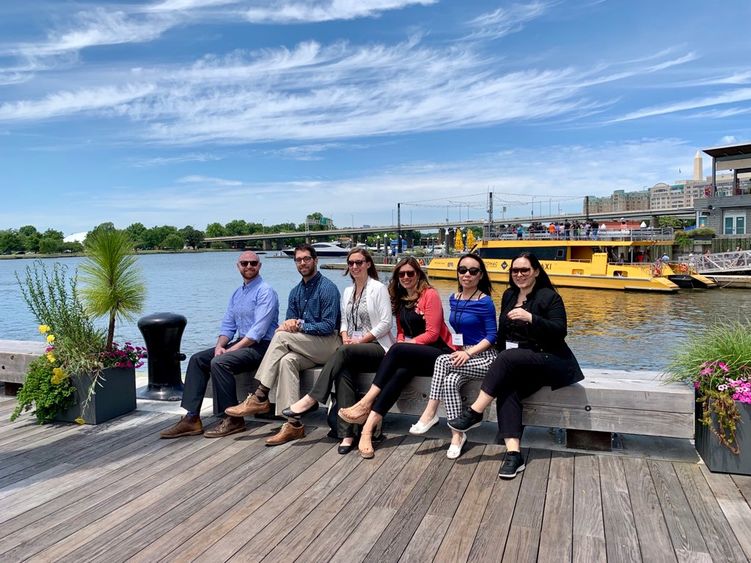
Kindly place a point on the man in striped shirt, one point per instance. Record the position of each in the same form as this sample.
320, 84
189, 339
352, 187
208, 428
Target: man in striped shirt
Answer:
308, 336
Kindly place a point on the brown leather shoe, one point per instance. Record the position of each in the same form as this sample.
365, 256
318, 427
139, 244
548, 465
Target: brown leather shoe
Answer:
249, 406
286, 434
188, 426
230, 425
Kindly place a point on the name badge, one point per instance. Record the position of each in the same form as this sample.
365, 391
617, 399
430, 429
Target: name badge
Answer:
510, 345
457, 339
357, 335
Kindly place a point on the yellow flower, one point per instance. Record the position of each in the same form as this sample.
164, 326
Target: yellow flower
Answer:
50, 357
79, 420
50, 338
58, 376
44, 329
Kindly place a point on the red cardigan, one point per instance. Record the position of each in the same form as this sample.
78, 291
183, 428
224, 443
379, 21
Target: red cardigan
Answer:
430, 307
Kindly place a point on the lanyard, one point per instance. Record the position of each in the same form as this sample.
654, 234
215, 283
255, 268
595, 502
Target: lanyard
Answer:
459, 313
355, 307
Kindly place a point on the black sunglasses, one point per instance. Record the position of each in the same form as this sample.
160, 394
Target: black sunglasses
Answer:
472, 271
521, 271
407, 273
246, 263
357, 263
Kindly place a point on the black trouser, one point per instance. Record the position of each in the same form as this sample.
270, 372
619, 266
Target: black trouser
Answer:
402, 362
347, 361
516, 374
222, 370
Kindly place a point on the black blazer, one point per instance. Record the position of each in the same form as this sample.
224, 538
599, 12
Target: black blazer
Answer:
546, 334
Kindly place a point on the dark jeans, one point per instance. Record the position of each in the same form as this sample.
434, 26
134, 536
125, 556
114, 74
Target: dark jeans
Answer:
402, 362
222, 370
347, 361
516, 374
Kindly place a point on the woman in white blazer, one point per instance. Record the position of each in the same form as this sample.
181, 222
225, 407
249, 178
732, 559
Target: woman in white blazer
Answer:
366, 336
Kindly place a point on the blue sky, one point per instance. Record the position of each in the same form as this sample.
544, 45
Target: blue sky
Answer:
193, 111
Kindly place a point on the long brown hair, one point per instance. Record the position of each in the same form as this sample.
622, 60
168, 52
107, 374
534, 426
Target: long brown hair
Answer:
397, 292
372, 272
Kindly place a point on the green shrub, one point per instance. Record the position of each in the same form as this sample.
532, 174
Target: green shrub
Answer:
39, 391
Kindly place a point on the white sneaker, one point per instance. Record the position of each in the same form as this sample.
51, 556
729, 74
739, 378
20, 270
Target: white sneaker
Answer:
455, 451
420, 428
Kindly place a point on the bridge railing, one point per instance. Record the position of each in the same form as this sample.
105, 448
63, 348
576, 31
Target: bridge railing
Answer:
719, 262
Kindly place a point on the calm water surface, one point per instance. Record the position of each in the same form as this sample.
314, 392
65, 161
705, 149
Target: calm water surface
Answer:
608, 329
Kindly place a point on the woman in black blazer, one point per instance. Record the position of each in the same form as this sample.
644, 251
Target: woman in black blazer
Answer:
531, 334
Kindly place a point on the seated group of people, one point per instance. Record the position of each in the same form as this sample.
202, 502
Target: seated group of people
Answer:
514, 357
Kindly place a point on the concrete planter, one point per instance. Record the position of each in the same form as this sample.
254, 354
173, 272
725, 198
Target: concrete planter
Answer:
717, 457
116, 397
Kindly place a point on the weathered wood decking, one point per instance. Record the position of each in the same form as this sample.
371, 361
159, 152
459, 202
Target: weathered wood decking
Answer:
116, 492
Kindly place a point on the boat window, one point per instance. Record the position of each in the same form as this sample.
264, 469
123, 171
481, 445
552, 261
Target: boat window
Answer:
620, 274
542, 252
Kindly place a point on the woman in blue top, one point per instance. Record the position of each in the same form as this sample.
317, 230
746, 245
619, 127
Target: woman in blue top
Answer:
473, 320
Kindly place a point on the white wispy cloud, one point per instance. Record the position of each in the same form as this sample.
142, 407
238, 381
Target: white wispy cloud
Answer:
71, 102
503, 21
729, 97
307, 152
299, 11
208, 181
179, 159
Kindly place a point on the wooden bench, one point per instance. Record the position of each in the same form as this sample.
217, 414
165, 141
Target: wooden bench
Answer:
607, 402
15, 357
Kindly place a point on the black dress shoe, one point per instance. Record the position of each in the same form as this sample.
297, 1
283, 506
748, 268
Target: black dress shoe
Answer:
343, 450
289, 413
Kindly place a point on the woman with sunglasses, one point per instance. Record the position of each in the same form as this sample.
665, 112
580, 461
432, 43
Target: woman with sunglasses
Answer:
422, 336
531, 334
473, 320
366, 336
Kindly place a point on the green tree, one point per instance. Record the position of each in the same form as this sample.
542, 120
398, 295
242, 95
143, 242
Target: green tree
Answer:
155, 236
191, 237
10, 241
113, 283
215, 230
237, 227
173, 241
48, 245
136, 232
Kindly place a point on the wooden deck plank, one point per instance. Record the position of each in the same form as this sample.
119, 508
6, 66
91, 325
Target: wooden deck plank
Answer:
733, 505
91, 541
556, 539
713, 525
458, 540
621, 538
743, 482
295, 544
429, 535
252, 459
654, 538
492, 534
336, 535
524, 534
396, 536
589, 531
682, 527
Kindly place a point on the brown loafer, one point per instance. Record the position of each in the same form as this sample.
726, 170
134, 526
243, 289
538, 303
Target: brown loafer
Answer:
188, 426
286, 434
249, 406
230, 425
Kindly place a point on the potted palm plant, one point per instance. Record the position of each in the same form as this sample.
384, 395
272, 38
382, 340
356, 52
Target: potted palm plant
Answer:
85, 376
718, 364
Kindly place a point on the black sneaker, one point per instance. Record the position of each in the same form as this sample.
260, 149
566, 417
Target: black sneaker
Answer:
513, 464
466, 421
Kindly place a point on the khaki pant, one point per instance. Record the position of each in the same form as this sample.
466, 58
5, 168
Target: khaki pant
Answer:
288, 354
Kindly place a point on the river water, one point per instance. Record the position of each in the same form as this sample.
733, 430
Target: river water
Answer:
607, 329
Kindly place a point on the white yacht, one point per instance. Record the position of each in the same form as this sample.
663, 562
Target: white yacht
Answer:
324, 249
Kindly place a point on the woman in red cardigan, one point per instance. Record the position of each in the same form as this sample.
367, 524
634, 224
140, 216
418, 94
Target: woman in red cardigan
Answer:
421, 335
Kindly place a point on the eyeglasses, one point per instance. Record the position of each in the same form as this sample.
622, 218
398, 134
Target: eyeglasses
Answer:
520, 271
357, 263
303, 259
246, 263
472, 271
407, 273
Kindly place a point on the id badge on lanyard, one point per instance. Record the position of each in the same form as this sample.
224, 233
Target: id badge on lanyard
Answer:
510, 344
457, 339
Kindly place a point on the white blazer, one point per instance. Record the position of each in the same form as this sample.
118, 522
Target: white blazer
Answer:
379, 311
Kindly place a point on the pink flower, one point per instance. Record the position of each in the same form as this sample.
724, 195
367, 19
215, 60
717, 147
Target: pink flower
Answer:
723, 366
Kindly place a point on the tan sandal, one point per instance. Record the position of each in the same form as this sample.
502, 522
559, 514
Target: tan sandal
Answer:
356, 414
366, 452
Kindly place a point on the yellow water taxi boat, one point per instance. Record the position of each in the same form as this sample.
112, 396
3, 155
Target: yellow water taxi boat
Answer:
629, 261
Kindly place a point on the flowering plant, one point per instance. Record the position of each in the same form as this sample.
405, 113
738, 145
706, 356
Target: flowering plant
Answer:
718, 364
127, 356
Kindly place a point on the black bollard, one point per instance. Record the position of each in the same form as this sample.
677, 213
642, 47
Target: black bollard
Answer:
162, 333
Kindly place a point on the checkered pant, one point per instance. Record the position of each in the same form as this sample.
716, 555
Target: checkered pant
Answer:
448, 380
